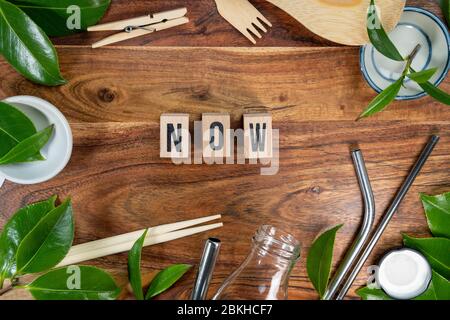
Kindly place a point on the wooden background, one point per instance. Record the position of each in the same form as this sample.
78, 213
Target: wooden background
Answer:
313, 88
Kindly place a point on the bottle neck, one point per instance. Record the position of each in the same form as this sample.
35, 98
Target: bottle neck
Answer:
271, 241
276, 250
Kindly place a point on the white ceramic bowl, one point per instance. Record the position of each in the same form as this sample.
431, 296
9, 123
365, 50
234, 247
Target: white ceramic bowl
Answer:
416, 26
57, 151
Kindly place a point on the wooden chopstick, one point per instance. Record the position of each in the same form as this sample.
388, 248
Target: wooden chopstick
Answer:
133, 236
151, 239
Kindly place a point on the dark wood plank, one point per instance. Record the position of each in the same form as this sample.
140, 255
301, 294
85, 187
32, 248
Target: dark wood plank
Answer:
208, 28
118, 184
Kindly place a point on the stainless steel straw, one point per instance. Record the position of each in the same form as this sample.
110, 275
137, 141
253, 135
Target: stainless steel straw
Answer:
361, 238
206, 268
389, 214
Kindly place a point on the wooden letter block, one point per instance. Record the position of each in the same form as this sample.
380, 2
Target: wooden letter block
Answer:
216, 135
258, 136
174, 136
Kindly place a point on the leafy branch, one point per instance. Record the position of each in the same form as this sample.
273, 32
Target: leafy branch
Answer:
38, 237
434, 249
19, 139
380, 40
26, 25
35, 240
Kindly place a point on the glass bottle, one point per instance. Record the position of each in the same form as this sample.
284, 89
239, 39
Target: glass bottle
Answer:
264, 274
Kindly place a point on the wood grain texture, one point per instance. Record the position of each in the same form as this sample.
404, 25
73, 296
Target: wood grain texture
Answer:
208, 28
139, 83
314, 91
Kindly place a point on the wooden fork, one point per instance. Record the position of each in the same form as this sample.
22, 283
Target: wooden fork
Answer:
242, 15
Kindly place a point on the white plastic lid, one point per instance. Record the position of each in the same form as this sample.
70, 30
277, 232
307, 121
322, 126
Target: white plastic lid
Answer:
404, 274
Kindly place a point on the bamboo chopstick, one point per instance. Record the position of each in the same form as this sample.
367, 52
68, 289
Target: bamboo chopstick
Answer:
151, 239
133, 236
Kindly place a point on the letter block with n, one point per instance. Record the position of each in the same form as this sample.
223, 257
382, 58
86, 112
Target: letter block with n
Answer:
174, 136
258, 136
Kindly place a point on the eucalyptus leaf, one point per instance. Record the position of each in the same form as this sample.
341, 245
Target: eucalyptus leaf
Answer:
437, 210
28, 148
60, 17
436, 93
48, 242
16, 229
383, 99
74, 283
319, 259
166, 279
436, 250
15, 126
378, 36
422, 76
27, 48
445, 5
134, 267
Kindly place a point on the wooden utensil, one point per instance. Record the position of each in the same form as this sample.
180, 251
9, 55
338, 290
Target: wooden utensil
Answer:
242, 15
341, 21
136, 27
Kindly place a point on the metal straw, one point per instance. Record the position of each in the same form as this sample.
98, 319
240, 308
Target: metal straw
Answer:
389, 214
206, 268
361, 238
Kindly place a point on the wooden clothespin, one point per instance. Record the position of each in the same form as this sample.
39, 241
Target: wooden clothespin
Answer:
140, 26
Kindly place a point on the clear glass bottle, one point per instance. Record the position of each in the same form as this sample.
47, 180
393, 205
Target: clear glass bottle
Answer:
264, 274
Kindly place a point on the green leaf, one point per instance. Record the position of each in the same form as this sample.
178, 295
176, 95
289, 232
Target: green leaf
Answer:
422, 76
436, 250
74, 283
26, 47
437, 210
372, 294
378, 36
15, 126
48, 242
436, 93
166, 279
439, 289
319, 259
53, 16
383, 99
16, 229
445, 5
28, 147
134, 267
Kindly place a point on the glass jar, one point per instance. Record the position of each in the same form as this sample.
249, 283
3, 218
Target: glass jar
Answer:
264, 274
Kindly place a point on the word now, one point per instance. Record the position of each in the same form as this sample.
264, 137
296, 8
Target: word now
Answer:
217, 138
